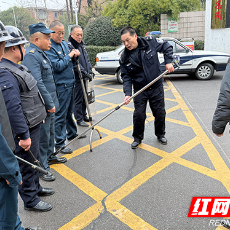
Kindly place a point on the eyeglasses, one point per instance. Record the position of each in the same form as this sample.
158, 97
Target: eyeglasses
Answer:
60, 33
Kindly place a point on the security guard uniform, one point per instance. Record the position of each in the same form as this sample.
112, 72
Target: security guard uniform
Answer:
12, 90
138, 68
41, 69
9, 170
86, 68
26, 112
64, 78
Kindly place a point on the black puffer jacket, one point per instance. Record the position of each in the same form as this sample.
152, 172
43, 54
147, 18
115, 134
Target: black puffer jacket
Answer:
222, 114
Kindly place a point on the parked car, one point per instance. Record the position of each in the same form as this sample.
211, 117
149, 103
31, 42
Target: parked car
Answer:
198, 62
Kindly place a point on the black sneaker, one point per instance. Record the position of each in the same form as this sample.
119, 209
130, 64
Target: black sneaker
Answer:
83, 124
40, 207
162, 140
65, 150
135, 144
71, 138
86, 119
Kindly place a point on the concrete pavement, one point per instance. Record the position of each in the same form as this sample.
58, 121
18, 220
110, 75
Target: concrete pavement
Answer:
115, 187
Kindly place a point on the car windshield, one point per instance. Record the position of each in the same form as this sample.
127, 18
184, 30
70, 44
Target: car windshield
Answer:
177, 48
118, 47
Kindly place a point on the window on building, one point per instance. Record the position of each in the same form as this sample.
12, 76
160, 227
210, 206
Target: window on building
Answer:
42, 15
55, 15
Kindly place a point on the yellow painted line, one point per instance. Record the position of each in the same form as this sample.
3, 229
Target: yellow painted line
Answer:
85, 218
112, 202
174, 108
221, 228
148, 173
166, 89
106, 103
86, 148
222, 170
108, 88
103, 77
178, 122
170, 99
198, 168
106, 109
79, 181
105, 94
126, 216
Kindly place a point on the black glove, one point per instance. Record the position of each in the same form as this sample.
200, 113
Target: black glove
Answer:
92, 73
89, 76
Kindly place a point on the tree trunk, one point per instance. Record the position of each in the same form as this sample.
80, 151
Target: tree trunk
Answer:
79, 6
47, 18
67, 8
89, 2
71, 10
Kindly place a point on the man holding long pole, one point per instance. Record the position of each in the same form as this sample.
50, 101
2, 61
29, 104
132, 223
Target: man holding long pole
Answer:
140, 65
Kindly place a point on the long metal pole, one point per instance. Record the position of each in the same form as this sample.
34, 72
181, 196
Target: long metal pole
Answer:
39, 169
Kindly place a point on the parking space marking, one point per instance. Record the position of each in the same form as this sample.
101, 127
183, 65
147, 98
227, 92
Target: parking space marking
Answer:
85, 218
126, 216
221, 172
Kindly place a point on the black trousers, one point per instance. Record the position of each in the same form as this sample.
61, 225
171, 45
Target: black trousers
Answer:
155, 96
79, 102
30, 177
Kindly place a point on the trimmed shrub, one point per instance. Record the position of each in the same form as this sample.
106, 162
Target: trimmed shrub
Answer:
93, 50
199, 45
100, 32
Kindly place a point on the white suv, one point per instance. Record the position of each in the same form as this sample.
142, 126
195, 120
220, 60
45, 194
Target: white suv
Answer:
198, 62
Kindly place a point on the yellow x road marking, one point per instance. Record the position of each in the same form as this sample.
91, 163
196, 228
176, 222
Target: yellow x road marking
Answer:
112, 201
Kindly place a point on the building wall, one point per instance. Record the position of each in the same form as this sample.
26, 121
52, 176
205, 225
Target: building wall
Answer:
190, 25
46, 19
215, 39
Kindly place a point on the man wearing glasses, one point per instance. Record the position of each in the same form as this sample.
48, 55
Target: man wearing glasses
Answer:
75, 42
61, 60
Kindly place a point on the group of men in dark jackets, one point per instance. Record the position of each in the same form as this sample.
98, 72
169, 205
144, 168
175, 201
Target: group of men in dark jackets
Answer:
39, 96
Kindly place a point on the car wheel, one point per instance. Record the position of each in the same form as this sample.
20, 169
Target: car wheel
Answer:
204, 71
119, 78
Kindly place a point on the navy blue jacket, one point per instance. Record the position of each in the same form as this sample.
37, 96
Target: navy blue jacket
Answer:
62, 64
11, 92
41, 68
84, 62
139, 76
9, 168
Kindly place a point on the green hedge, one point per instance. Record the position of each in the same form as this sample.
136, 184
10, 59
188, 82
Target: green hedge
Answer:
199, 45
100, 32
93, 50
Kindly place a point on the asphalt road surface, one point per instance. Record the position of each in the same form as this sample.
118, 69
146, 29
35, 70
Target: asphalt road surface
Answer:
117, 188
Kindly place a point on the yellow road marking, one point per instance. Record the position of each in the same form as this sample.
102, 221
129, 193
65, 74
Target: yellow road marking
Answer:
221, 172
126, 216
85, 218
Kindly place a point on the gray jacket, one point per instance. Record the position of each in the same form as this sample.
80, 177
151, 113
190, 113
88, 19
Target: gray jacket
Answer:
222, 114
